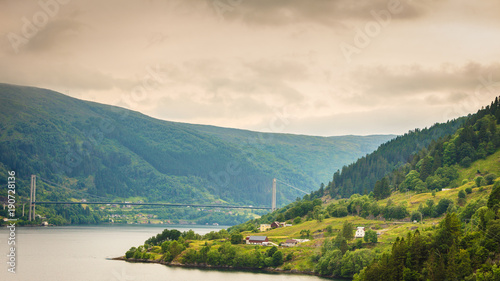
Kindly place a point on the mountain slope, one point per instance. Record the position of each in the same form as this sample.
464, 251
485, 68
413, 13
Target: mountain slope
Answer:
110, 151
360, 177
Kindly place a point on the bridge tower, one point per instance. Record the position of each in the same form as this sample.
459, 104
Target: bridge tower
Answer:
31, 214
273, 204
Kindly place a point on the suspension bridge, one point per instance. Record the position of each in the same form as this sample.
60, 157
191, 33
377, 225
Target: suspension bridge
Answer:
33, 202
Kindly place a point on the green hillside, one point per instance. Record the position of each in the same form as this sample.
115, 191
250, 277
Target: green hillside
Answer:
443, 201
360, 177
113, 152
332, 251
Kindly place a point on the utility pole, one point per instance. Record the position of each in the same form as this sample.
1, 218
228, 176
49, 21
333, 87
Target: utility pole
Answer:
273, 205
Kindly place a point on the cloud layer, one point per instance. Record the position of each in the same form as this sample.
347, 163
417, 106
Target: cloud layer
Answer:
242, 63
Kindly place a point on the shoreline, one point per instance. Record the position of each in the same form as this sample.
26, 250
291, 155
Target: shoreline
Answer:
229, 268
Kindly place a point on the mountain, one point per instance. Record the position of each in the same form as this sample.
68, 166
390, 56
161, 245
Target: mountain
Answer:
360, 177
445, 198
392, 161
112, 152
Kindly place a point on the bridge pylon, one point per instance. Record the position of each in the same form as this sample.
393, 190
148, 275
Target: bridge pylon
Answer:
31, 214
273, 204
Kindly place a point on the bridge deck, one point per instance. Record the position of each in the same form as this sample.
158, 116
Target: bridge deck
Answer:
155, 204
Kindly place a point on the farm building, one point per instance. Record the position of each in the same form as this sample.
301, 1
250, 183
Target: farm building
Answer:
257, 240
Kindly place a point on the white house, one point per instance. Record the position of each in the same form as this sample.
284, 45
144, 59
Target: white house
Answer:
360, 232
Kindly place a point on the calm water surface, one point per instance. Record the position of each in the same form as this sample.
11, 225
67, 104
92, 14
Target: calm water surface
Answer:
76, 253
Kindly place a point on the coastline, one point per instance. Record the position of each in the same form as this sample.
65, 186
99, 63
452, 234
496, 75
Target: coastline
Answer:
231, 268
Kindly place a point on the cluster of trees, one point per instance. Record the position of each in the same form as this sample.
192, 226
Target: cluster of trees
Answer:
366, 206
434, 168
171, 243
338, 258
228, 255
361, 176
61, 215
448, 252
412, 161
165, 235
310, 208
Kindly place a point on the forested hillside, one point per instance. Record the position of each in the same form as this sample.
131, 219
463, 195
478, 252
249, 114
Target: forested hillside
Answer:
435, 167
112, 152
448, 193
360, 177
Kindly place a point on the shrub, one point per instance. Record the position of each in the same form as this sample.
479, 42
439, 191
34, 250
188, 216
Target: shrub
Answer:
416, 216
466, 162
490, 178
468, 190
461, 194
130, 253
371, 236
297, 220
236, 238
443, 205
478, 181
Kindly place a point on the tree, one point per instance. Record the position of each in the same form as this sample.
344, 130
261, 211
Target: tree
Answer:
450, 154
236, 238
494, 198
348, 230
305, 233
277, 258
297, 220
490, 178
280, 217
382, 189
412, 181
461, 194
478, 181
426, 167
370, 236
271, 251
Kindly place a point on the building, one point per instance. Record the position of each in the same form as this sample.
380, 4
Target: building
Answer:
275, 224
278, 224
360, 232
290, 243
265, 227
257, 240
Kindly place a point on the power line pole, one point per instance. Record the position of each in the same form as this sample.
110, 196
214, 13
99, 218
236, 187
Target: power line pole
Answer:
273, 204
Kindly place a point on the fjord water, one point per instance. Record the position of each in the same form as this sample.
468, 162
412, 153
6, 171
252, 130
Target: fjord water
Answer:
83, 253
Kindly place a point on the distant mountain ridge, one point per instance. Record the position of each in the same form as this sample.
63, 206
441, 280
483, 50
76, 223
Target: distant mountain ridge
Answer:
110, 151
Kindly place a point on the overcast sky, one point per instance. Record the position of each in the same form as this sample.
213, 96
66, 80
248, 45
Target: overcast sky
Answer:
316, 67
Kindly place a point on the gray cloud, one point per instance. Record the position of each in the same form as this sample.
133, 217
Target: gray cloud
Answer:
406, 81
436, 56
327, 12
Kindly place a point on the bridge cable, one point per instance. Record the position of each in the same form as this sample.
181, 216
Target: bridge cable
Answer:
292, 186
